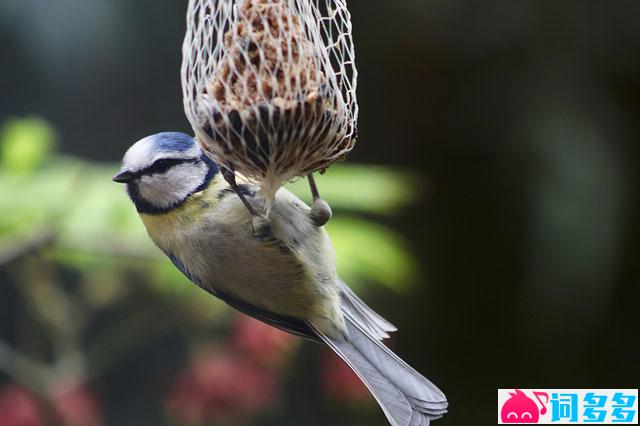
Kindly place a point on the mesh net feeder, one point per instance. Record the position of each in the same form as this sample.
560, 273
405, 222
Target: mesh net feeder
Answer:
269, 86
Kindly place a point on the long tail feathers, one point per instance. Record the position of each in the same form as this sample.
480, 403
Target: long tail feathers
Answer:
368, 319
406, 397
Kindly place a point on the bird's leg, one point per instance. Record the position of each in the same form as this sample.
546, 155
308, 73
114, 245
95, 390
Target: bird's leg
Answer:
259, 222
320, 210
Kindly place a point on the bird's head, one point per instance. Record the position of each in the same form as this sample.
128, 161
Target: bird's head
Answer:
162, 171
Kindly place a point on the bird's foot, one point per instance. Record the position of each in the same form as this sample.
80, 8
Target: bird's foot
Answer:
320, 212
261, 226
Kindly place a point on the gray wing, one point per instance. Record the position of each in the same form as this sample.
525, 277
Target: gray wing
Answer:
286, 323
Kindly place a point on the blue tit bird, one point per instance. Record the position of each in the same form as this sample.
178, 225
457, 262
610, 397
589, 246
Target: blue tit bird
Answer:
287, 280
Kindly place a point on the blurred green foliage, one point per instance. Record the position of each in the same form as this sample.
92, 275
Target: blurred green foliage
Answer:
26, 144
371, 189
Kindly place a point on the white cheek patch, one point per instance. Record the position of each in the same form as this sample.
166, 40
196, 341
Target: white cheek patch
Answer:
163, 190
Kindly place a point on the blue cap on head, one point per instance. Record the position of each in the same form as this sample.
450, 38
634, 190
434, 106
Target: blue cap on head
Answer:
169, 145
173, 142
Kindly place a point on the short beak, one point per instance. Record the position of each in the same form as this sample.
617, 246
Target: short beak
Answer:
123, 177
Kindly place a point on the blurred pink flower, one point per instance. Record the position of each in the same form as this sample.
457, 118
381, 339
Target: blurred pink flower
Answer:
18, 407
259, 342
77, 406
339, 381
219, 386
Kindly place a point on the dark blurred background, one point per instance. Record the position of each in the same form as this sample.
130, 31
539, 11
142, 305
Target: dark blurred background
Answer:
519, 122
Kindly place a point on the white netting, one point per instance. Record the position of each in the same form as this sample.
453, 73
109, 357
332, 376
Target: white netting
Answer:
269, 85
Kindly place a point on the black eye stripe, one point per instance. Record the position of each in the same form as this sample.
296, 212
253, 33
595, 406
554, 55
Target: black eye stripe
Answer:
162, 165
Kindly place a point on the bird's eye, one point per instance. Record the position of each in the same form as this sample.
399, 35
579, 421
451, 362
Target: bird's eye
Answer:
163, 165
512, 415
526, 414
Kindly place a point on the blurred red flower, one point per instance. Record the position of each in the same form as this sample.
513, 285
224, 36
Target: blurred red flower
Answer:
218, 386
259, 342
339, 381
77, 406
18, 407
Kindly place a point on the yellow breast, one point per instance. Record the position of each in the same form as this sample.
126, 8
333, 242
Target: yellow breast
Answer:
165, 228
